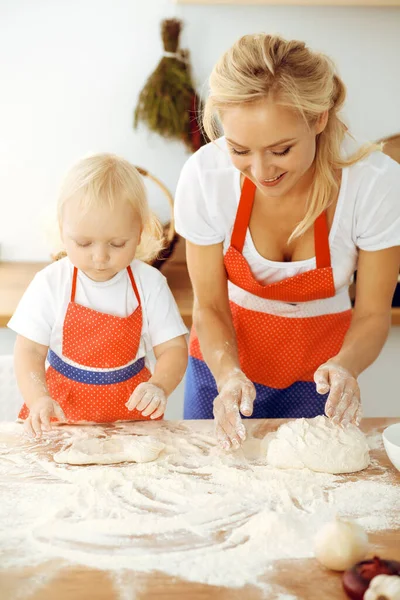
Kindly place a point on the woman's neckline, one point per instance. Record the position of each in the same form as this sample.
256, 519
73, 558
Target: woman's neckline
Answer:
295, 263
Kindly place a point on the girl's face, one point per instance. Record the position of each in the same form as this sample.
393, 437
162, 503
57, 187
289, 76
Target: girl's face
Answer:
272, 146
102, 241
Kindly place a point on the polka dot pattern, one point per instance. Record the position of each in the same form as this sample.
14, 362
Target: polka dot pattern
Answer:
308, 286
278, 351
298, 400
100, 341
98, 403
95, 339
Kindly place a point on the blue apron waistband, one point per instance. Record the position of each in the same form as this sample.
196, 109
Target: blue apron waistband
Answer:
94, 377
300, 399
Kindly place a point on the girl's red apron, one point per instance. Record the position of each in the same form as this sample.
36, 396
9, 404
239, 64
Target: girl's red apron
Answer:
278, 353
101, 372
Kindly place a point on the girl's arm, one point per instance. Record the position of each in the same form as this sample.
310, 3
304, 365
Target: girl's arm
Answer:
150, 398
29, 361
376, 280
171, 363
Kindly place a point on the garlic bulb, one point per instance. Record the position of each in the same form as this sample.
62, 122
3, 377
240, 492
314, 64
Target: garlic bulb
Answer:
383, 587
340, 544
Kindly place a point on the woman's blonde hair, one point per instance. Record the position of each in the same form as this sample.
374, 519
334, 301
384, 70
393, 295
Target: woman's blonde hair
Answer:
260, 66
106, 180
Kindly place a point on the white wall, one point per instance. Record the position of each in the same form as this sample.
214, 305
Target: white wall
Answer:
379, 384
71, 72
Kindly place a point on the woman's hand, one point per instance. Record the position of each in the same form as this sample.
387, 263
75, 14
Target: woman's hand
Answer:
149, 399
40, 413
236, 395
343, 404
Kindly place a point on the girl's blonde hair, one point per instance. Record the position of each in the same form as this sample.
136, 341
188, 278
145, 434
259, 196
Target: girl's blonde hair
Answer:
106, 180
260, 66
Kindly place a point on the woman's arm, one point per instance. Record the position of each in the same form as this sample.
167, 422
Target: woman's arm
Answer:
150, 397
29, 361
376, 280
211, 312
213, 322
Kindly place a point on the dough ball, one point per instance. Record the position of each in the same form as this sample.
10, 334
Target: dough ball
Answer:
112, 450
340, 544
319, 445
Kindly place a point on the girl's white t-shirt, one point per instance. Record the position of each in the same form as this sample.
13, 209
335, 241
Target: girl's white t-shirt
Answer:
41, 311
367, 214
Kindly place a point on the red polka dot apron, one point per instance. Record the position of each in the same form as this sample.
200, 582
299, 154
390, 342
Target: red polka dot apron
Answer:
278, 353
100, 372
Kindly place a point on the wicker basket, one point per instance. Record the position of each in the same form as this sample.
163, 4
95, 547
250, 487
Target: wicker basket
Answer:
170, 236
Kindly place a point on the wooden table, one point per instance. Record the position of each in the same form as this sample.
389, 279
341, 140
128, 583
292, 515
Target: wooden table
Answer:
303, 579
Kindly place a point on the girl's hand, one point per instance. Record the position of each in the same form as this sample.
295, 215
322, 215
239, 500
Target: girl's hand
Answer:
236, 396
149, 399
40, 413
343, 404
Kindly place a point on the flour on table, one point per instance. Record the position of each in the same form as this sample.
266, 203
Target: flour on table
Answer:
196, 513
319, 445
375, 441
112, 450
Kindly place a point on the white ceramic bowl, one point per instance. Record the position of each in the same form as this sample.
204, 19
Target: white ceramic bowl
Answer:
391, 441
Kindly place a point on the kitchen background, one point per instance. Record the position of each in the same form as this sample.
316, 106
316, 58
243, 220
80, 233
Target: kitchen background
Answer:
71, 73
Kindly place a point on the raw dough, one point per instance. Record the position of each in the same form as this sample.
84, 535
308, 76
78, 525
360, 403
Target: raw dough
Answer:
115, 449
319, 445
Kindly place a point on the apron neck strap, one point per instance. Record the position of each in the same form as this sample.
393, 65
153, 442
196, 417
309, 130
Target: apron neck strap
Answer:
321, 233
321, 241
133, 282
75, 275
243, 215
73, 289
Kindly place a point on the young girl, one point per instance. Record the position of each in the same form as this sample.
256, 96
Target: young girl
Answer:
95, 314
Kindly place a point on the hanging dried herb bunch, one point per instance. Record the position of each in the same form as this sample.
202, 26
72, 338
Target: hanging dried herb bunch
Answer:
168, 103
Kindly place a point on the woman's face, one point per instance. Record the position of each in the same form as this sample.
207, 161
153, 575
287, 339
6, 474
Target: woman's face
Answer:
272, 146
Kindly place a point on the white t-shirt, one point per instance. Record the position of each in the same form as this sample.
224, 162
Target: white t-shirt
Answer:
41, 311
367, 214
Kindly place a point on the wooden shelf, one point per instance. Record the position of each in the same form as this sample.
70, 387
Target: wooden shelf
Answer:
335, 3
16, 276
14, 279
396, 316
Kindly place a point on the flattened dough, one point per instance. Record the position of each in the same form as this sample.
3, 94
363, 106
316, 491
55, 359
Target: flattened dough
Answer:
112, 450
319, 445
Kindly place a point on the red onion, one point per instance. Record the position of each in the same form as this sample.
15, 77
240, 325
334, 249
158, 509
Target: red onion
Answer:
357, 579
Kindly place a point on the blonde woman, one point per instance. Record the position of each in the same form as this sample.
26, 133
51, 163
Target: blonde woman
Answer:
95, 314
278, 215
